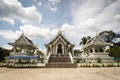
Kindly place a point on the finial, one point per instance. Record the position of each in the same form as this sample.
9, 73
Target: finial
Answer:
22, 32
59, 31
97, 34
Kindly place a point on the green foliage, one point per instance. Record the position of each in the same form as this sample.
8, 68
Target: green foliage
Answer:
108, 36
78, 60
115, 50
99, 60
40, 53
77, 52
84, 40
3, 53
40, 56
117, 35
98, 64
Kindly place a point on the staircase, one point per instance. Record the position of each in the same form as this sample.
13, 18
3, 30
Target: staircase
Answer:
60, 61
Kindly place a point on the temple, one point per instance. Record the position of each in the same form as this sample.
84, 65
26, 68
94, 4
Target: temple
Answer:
59, 45
95, 50
23, 50
59, 52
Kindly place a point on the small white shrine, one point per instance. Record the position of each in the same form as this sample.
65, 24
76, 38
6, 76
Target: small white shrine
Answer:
95, 49
23, 50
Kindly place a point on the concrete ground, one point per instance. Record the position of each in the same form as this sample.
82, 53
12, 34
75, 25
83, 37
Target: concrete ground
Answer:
60, 73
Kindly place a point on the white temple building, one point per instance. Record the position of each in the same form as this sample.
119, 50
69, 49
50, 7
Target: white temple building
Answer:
60, 53
59, 45
23, 50
95, 49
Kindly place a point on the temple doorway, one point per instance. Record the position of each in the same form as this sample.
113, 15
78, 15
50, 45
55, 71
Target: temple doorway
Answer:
59, 49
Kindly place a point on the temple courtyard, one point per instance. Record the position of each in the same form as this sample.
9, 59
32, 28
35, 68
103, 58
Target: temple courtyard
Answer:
112, 73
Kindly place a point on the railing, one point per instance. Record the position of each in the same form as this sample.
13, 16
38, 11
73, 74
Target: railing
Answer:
72, 60
100, 53
18, 53
48, 57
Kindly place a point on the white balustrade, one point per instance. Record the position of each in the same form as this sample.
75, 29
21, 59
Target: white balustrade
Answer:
48, 57
72, 60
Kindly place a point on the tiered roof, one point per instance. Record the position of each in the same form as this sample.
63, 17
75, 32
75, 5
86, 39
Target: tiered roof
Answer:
57, 36
23, 41
96, 41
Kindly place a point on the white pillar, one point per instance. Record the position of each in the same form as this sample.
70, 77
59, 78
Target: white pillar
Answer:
56, 48
50, 48
93, 49
63, 49
72, 52
22, 51
104, 49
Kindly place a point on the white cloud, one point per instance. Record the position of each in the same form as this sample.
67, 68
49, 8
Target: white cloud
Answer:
67, 28
54, 1
108, 12
34, 31
52, 5
71, 33
87, 9
8, 34
53, 32
7, 47
117, 40
9, 20
34, 0
90, 17
30, 31
11, 10
39, 3
117, 17
53, 9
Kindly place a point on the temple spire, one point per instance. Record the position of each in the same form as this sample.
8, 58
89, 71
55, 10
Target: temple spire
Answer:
97, 34
22, 32
59, 32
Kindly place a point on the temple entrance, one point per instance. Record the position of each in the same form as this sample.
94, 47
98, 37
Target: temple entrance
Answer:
59, 49
57, 53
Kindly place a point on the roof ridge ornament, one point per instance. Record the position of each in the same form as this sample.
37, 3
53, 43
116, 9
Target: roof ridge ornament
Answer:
22, 32
97, 34
59, 32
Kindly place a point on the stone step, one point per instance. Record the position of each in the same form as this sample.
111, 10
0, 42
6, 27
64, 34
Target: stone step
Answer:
60, 65
59, 59
59, 55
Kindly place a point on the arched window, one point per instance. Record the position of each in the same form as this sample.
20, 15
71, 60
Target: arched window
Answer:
91, 50
101, 50
59, 49
96, 50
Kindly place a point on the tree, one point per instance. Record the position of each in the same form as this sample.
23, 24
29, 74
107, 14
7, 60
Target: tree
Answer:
108, 36
77, 52
117, 35
40, 55
84, 40
98, 60
114, 50
3, 53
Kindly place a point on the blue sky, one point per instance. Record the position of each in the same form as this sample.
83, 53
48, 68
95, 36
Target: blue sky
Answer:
42, 19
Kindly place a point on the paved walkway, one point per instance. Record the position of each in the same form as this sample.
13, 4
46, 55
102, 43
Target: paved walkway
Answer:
60, 73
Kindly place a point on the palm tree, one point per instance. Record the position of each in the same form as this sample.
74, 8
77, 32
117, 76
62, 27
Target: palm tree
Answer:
84, 40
